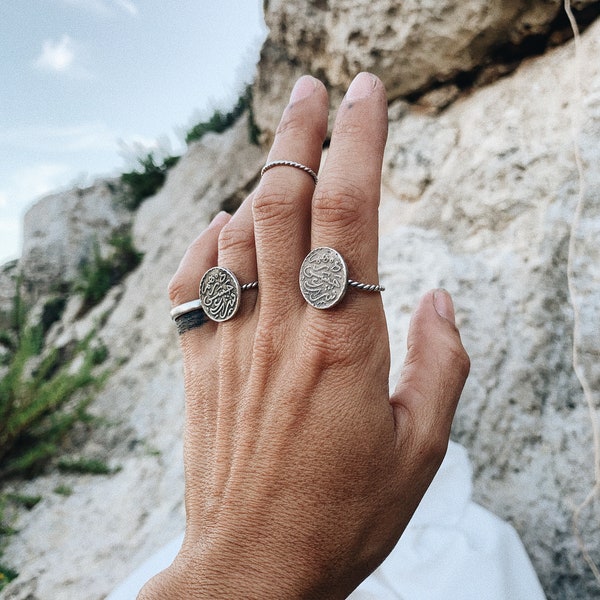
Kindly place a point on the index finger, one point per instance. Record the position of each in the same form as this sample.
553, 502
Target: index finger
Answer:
346, 200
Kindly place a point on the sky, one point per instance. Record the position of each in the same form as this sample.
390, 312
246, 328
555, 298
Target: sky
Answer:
86, 86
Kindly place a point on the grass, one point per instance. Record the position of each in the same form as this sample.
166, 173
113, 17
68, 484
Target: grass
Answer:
7, 574
41, 397
220, 121
100, 274
39, 405
145, 181
85, 466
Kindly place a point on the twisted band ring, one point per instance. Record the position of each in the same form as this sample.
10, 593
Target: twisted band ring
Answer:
289, 163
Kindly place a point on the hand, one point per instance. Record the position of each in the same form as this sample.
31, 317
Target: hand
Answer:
301, 470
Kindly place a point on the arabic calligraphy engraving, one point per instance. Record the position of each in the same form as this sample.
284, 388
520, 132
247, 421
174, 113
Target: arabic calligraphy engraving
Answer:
220, 294
323, 278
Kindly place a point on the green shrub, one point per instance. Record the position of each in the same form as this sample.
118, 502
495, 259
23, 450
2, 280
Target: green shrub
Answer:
6, 576
100, 274
39, 407
220, 122
145, 182
63, 490
84, 466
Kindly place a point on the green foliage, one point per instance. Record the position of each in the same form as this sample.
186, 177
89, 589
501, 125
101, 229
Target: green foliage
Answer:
6, 575
24, 500
38, 406
63, 490
101, 273
220, 122
84, 466
145, 182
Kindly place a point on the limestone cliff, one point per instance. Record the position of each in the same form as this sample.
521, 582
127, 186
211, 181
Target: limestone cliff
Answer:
481, 195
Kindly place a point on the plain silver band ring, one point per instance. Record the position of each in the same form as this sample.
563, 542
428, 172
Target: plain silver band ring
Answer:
185, 308
289, 163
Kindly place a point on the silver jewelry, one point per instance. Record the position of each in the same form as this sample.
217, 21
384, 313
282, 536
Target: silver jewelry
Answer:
190, 320
289, 163
185, 308
324, 278
220, 293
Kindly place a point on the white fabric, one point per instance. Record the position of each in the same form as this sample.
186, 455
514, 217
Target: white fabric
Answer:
452, 548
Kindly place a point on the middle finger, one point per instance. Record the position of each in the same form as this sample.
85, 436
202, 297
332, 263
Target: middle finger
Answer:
281, 203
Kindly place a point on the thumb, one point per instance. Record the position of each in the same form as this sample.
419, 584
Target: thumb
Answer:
434, 373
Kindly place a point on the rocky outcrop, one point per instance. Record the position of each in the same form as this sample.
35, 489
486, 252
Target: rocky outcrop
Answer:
480, 198
412, 46
63, 230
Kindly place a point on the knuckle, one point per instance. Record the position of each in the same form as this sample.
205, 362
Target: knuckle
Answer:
270, 205
339, 202
349, 128
459, 359
234, 239
177, 290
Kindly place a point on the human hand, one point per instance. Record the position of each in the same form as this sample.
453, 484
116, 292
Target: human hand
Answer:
301, 470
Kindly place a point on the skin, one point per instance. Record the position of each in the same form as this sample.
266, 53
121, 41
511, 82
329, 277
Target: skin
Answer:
302, 471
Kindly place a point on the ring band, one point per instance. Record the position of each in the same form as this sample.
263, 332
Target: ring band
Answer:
185, 308
289, 163
190, 320
324, 278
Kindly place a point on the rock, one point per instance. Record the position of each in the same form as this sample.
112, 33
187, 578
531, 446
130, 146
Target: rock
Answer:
62, 231
411, 46
481, 200
8, 289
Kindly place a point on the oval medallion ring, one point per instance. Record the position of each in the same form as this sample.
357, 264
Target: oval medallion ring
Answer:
220, 293
324, 278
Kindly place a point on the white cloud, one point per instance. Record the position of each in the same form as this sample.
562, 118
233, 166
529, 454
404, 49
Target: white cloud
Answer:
56, 56
105, 7
3, 200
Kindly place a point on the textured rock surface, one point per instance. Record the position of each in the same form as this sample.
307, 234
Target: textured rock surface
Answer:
479, 199
492, 188
60, 231
411, 45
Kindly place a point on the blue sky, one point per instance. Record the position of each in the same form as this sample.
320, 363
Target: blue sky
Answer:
86, 85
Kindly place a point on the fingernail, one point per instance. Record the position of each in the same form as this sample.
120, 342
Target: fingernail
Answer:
361, 87
443, 305
303, 88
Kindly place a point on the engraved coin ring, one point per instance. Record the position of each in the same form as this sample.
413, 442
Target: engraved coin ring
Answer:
324, 278
220, 293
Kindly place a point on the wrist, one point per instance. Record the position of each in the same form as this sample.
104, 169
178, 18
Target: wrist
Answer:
230, 576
